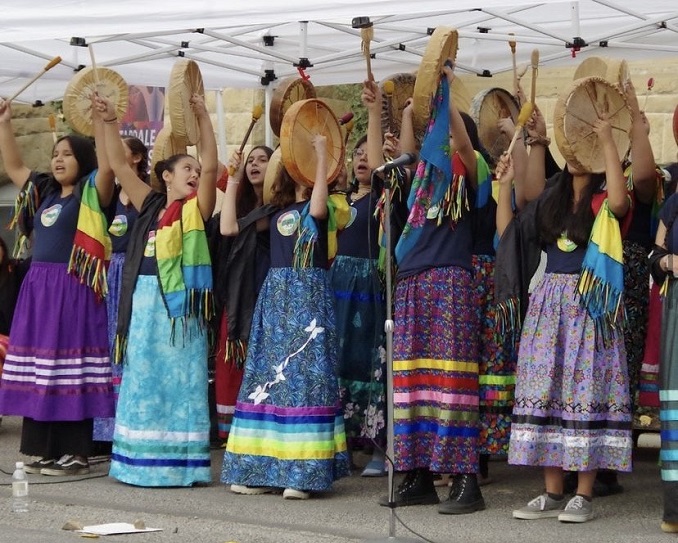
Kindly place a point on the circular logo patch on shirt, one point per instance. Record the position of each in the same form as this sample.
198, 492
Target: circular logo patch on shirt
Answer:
149, 250
351, 219
50, 215
565, 244
288, 223
119, 226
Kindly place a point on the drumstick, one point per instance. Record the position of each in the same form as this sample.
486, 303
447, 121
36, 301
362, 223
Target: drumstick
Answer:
366, 36
52, 126
257, 111
349, 128
650, 84
389, 87
48, 67
512, 45
523, 117
94, 64
535, 67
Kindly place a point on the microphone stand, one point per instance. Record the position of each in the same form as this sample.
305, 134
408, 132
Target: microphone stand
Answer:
388, 329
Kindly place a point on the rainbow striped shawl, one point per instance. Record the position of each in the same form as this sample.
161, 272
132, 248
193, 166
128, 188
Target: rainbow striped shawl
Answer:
184, 265
601, 282
91, 244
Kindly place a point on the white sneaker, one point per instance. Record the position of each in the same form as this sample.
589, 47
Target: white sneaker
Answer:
252, 490
294, 494
577, 509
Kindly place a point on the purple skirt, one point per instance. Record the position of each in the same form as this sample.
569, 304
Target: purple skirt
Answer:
572, 408
57, 366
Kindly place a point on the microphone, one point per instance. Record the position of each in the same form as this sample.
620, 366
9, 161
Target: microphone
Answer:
402, 160
346, 117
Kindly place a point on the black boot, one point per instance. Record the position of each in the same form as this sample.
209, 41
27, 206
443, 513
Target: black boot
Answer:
465, 496
416, 489
606, 484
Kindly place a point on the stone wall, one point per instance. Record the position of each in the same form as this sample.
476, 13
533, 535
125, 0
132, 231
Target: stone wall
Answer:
34, 136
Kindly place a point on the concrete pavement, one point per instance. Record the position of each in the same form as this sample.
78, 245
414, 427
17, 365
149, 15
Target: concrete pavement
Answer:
212, 514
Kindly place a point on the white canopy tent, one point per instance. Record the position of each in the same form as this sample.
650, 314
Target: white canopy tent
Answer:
248, 43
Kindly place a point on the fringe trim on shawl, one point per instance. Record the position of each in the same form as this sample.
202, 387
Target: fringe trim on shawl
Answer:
90, 270
25, 206
508, 320
610, 316
236, 351
455, 201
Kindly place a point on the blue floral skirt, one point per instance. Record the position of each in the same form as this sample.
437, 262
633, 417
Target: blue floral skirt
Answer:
288, 428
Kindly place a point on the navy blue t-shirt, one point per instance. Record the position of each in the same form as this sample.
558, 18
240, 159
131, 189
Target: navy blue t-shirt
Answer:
359, 236
485, 228
559, 261
149, 264
284, 233
262, 259
121, 226
668, 216
54, 227
439, 246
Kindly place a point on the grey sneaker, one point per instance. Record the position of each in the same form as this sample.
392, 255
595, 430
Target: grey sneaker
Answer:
541, 507
577, 509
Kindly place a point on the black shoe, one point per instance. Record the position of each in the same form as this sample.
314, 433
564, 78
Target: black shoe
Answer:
465, 496
416, 489
606, 484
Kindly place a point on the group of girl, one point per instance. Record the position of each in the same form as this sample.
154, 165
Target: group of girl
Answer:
300, 351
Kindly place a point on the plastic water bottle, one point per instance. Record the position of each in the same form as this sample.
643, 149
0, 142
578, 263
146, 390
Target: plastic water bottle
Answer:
19, 489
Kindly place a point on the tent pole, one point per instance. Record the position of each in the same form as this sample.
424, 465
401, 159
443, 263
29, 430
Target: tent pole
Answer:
221, 126
303, 39
574, 12
268, 131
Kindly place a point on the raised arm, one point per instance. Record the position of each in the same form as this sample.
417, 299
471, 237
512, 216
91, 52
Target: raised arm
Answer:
460, 138
105, 178
207, 190
519, 159
134, 187
617, 196
504, 175
643, 165
9, 149
408, 142
228, 222
318, 208
371, 98
535, 174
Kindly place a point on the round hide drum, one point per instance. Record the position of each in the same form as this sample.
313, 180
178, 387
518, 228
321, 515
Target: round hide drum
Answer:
185, 80
461, 97
166, 144
303, 120
289, 91
487, 108
392, 104
273, 172
615, 71
78, 102
675, 124
575, 112
441, 47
